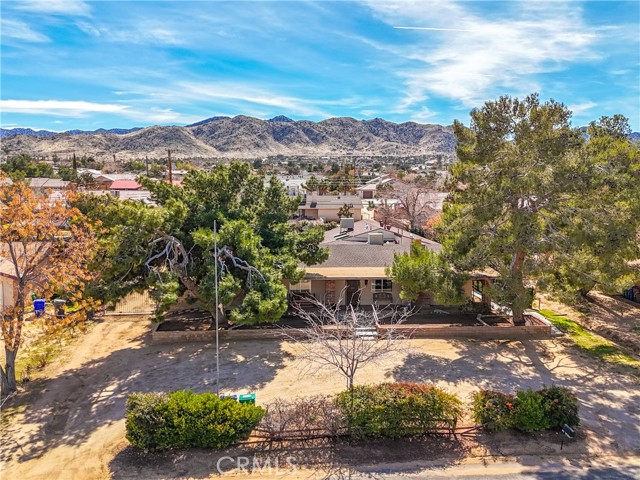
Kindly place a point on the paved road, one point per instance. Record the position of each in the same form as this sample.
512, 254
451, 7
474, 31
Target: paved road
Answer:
627, 470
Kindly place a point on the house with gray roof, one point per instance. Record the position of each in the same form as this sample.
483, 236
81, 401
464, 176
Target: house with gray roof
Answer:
326, 207
355, 271
359, 252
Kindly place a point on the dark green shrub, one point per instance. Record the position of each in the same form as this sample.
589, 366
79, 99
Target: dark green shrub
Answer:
398, 410
530, 411
527, 411
186, 419
493, 410
561, 406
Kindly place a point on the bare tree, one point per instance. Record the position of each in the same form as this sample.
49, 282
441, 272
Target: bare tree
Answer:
349, 339
416, 198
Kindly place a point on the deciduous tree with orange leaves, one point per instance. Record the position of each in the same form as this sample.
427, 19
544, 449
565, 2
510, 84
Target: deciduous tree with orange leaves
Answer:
46, 247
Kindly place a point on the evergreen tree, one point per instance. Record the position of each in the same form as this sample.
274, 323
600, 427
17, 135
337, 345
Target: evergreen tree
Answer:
530, 197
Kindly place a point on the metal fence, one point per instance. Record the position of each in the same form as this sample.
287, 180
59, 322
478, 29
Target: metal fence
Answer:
135, 303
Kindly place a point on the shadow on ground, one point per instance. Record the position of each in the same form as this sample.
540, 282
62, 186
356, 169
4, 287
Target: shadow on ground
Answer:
82, 400
339, 460
609, 404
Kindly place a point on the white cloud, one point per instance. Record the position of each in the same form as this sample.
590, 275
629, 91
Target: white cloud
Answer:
55, 7
80, 109
482, 56
61, 108
582, 108
422, 115
234, 93
21, 31
142, 32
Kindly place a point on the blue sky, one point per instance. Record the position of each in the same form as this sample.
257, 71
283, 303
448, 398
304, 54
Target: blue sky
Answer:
81, 64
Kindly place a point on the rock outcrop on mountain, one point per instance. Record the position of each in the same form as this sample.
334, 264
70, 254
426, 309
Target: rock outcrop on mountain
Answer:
247, 137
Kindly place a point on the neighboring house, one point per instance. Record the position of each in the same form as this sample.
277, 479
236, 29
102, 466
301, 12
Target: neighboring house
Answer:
8, 288
368, 191
139, 195
103, 181
293, 184
43, 185
326, 207
124, 185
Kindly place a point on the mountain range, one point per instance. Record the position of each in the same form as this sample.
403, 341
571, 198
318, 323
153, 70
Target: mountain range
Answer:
241, 137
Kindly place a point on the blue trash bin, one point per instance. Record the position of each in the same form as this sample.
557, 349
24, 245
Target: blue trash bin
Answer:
38, 306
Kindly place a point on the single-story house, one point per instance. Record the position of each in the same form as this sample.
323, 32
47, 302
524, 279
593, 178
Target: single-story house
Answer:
42, 185
354, 273
368, 191
359, 251
326, 207
125, 185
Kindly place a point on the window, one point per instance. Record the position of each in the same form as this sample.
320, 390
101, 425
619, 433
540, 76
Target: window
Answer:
303, 286
381, 285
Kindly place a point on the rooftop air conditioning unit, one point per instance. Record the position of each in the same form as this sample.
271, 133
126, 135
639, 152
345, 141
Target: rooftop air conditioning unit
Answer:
347, 224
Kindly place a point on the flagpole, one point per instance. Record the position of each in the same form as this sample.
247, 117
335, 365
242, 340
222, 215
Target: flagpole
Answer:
215, 263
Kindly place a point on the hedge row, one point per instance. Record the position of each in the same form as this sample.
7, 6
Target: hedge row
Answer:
397, 410
186, 419
527, 410
392, 410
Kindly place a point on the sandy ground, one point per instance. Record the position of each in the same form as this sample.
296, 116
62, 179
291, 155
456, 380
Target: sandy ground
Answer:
74, 427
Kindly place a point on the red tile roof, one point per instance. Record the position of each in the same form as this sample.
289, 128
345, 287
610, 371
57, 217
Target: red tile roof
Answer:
125, 185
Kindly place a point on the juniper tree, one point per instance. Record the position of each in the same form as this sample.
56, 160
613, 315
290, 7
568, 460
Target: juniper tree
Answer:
530, 195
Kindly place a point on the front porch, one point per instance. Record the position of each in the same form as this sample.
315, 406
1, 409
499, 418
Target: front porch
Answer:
365, 292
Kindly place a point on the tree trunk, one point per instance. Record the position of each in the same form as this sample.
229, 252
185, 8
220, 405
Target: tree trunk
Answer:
585, 289
517, 277
349, 382
8, 374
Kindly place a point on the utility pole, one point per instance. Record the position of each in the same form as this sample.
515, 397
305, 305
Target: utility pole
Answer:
215, 267
170, 171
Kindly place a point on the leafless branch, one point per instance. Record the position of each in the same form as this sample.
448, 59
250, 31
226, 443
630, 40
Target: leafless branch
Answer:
347, 338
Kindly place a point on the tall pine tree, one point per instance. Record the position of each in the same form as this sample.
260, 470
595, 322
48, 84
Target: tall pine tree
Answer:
530, 195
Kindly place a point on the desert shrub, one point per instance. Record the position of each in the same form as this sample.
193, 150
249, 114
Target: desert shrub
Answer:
527, 411
530, 411
493, 410
304, 417
398, 410
187, 419
561, 406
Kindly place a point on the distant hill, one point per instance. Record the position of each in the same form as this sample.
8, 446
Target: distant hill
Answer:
244, 137
6, 132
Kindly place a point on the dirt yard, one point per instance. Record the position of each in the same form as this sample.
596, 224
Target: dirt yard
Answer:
73, 425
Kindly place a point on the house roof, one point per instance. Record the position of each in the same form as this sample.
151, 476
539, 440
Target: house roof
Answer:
352, 256
319, 273
332, 201
362, 228
125, 185
344, 254
40, 182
